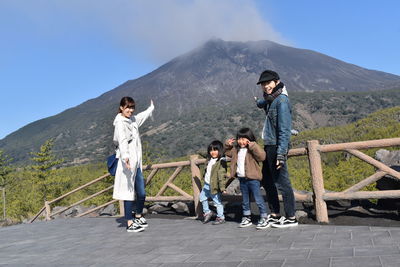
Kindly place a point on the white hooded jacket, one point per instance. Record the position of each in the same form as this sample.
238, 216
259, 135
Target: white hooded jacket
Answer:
129, 146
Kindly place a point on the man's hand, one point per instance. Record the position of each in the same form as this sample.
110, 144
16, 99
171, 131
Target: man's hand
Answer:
279, 164
280, 161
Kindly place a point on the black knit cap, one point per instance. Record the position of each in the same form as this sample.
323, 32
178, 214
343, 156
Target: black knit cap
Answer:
268, 75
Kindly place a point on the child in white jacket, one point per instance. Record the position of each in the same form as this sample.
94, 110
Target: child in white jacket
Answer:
129, 177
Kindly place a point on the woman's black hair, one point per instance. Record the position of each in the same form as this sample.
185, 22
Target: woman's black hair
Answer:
126, 101
215, 145
246, 133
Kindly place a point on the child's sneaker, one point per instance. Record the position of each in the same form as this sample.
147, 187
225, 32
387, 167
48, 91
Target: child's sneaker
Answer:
134, 228
141, 222
218, 221
285, 222
263, 223
246, 222
207, 217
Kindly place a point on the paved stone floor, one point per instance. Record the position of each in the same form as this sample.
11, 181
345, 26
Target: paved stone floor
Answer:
172, 242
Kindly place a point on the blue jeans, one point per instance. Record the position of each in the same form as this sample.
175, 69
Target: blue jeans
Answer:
274, 180
205, 194
248, 186
140, 197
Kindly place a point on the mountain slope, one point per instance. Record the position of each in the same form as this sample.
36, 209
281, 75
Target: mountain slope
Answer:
207, 93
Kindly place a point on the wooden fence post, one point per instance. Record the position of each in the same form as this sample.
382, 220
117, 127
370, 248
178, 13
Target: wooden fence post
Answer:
196, 183
314, 158
48, 210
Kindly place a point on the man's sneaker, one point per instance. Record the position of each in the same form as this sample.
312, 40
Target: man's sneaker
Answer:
207, 217
273, 219
285, 222
134, 228
218, 221
263, 223
246, 222
141, 222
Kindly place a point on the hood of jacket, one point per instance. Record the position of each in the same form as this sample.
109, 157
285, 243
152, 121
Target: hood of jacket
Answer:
121, 117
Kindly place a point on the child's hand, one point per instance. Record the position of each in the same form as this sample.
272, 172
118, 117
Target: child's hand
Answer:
246, 141
231, 141
127, 165
224, 192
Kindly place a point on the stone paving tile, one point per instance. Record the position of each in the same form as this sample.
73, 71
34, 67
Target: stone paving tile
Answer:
332, 252
169, 258
180, 264
365, 242
358, 228
390, 261
356, 235
273, 245
356, 262
288, 254
379, 251
384, 241
269, 263
219, 264
333, 236
248, 254
317, 229
209, 257
394, 232
297, 236
312, 244
324, 262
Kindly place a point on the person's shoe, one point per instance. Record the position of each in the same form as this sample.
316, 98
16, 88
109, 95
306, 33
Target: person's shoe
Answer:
141, 222
272, 219
218, 221
134, 228
285, 222
263, 223
246, 222
207, 217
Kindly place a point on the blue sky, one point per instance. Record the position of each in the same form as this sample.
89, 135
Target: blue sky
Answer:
55, 55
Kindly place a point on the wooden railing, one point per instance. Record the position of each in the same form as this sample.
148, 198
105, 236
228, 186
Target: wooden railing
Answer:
313, 151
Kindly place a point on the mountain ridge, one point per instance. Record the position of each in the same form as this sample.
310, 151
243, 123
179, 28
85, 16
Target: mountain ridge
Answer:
207, 87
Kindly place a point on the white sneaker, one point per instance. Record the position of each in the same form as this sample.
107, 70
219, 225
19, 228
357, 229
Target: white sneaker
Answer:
263, 224
141, 222
246, 222
285, 222
134, 228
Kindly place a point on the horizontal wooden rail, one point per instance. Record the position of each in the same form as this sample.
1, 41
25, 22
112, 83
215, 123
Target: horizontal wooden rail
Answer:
169, 198
360, 145
166, 165
362, 195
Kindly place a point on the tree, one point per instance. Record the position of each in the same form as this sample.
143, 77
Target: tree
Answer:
45, 161
5, 170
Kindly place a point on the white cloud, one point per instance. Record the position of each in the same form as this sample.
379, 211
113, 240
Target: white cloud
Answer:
172, 27
158, 29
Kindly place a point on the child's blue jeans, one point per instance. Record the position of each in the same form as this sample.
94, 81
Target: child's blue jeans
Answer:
205, 194
248, 186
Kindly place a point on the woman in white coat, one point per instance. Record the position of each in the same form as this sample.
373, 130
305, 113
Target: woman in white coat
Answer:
129, 180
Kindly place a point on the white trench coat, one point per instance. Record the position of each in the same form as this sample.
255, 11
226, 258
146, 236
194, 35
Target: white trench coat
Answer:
126, 137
